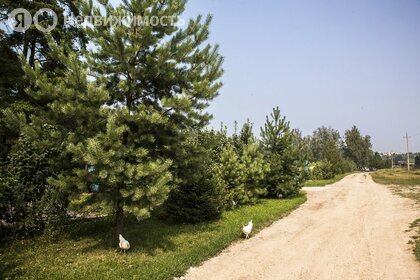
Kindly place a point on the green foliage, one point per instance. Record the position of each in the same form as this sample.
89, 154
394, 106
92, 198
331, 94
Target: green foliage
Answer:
28, 203
160, 78
118, 171
324, 144
230, 170
357, 147
34, 44
282, 154
377, 162
322, 169
255, 170
247, 136
34, 50
347, 166
199, 195
324, 182
242, 174
161, 66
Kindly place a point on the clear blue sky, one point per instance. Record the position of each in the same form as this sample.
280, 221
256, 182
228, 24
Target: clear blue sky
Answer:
332, 63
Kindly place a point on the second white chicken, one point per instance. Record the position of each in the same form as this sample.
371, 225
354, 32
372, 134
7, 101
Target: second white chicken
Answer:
247, 229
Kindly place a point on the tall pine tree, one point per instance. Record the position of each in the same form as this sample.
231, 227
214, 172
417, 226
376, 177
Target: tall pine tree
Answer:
160, 79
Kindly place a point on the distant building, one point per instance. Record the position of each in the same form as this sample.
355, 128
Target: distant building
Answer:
417, 162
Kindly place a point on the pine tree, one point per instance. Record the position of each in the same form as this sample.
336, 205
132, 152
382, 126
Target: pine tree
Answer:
160, 79
255, 170
99, 151
246, 135
230, 171
277, 141
161, 66
11, 79
118, 171
34, 44
71, 115
199, 194
33, 47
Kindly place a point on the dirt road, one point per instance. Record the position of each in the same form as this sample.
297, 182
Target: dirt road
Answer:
354, 229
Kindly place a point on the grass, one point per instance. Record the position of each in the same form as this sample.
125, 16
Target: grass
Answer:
406, 184
397, 176
159, 250
416, 238
324, 182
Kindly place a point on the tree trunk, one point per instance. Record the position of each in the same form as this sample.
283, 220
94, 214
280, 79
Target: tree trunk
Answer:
26, 46
119, 220
32, 55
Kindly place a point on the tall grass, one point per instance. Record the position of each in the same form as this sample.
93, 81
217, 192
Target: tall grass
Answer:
397, 176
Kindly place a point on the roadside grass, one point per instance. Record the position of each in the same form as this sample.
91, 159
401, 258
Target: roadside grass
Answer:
321, 183
406, 184
159, 250
416, 238
397, 176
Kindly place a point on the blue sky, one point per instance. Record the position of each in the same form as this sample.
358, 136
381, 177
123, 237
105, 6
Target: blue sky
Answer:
334, 63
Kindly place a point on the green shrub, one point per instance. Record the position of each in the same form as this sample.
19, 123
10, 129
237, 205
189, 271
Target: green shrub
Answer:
347, 165
322, 169
255, 170
230, 171
242, 175
28, 203
199, 195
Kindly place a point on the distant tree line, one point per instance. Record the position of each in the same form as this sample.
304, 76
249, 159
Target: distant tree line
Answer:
330, 154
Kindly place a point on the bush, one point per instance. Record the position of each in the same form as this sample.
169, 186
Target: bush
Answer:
198, 195
283, 179
255, 169
347, 165
322, 169
28, 203
230, 171
197, 202
242, 175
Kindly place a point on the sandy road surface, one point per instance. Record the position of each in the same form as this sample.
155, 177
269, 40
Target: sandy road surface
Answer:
354, 229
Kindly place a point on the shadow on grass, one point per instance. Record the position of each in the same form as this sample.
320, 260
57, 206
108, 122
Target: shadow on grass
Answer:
8, 268
148, 237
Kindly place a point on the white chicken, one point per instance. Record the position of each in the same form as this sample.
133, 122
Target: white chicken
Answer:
124, 244
247, 229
